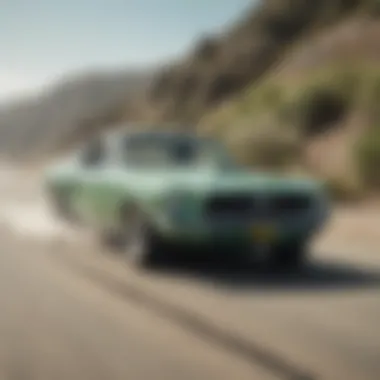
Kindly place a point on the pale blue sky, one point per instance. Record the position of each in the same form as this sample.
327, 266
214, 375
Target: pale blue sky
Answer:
41, 39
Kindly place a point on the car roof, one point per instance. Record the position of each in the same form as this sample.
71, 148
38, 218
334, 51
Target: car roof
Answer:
131, 131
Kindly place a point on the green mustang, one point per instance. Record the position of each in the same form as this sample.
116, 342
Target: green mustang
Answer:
162, 192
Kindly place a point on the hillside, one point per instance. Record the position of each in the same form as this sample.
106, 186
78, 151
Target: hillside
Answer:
318, 109
292, 85
73, 108
221, 66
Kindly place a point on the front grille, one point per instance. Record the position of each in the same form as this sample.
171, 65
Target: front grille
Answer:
241, 207
231, 206
290, 203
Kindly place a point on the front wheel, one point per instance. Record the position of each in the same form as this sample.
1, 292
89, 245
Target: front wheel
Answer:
289, 256
144, 247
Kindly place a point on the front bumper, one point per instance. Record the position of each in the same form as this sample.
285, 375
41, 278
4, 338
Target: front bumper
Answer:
247, 233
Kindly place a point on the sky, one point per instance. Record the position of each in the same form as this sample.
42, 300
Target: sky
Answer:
41, 40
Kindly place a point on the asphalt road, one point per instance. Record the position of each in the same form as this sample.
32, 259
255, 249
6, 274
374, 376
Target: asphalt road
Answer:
56, 325
69, 310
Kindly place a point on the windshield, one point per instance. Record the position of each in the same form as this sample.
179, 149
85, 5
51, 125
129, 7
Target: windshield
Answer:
176, 152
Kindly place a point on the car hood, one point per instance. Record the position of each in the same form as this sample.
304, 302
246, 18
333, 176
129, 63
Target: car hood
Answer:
231, 181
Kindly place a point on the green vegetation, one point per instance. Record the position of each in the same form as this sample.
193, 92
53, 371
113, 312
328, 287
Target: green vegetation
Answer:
343, 190
300, 103
324, 100
368, 157
268, 148
270, 124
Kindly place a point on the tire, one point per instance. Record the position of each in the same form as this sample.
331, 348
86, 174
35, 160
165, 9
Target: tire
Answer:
291, 256
152, 253
144, 248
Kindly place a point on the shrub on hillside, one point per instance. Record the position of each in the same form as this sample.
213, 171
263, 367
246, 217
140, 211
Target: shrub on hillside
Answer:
372, 99
372, 7
343, 190
318, 108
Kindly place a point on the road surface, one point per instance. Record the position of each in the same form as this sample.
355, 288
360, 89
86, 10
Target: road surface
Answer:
70, 310
56, 325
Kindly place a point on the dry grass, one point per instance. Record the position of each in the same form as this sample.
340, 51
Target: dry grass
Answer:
368, 157
220, 67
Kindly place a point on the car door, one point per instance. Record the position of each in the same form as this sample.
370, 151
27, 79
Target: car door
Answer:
112, 191
93, 172
103, 188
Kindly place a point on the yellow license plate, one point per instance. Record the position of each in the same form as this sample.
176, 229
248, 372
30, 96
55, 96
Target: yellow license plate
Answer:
264, 233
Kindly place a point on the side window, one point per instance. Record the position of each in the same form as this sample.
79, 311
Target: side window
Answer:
94, 153
144, 152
